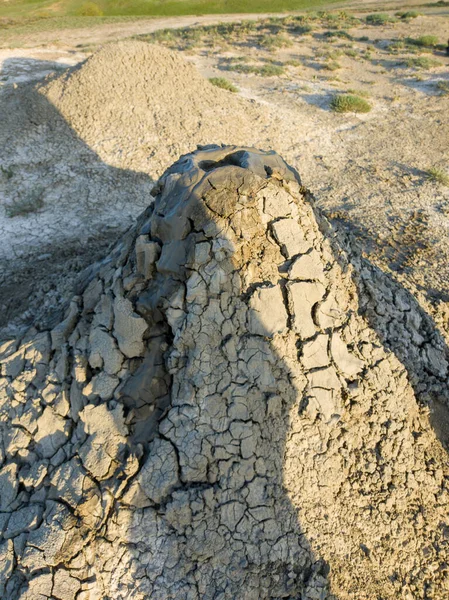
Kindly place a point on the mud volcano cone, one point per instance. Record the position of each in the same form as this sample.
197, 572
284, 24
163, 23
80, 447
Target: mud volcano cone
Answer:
215, 419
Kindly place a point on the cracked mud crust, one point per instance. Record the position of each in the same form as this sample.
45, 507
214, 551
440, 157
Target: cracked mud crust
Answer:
235, 405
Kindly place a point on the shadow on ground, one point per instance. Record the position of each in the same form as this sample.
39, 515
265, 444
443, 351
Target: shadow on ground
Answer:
60, 205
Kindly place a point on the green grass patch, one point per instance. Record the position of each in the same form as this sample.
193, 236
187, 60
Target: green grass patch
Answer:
425, 41
209, 35
379, 19
269, 70
337, 20
14, 8
422, 62
407, 15
437, 175
349, 103
332, 65
339, 33
301, 29
399, 46
223, 83
89, 9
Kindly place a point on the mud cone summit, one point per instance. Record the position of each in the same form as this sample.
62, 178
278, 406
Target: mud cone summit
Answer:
228, 410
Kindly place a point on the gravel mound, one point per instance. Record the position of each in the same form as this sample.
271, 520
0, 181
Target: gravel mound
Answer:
228, 409
139, 106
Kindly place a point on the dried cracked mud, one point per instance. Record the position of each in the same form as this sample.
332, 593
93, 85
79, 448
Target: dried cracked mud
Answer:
236, 404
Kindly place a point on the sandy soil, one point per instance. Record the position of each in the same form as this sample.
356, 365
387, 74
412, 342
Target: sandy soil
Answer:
367, 171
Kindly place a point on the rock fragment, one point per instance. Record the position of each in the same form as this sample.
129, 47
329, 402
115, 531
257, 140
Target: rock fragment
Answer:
346, 362
304, 296
290, 236
315, 352
128, 328
104, 352
308, 267
8, 486
267, 312
52, 433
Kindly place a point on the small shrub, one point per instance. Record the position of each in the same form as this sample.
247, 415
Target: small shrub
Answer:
422, 62
406, 16
161, 36
192, 36
223, 83
396, 45
270, 70
185, 38
351, 53
438, 176
237, 59
245, 26
334, 54
379, 19
425, 41
350, 103
332, 65
264, 71
89, 9
271, 42
301, 29
401, 46
338, 34
241, 68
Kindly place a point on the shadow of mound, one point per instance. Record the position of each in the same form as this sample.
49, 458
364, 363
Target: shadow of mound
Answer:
322, 100
22, 69
408, 331
399, 319
60, 205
